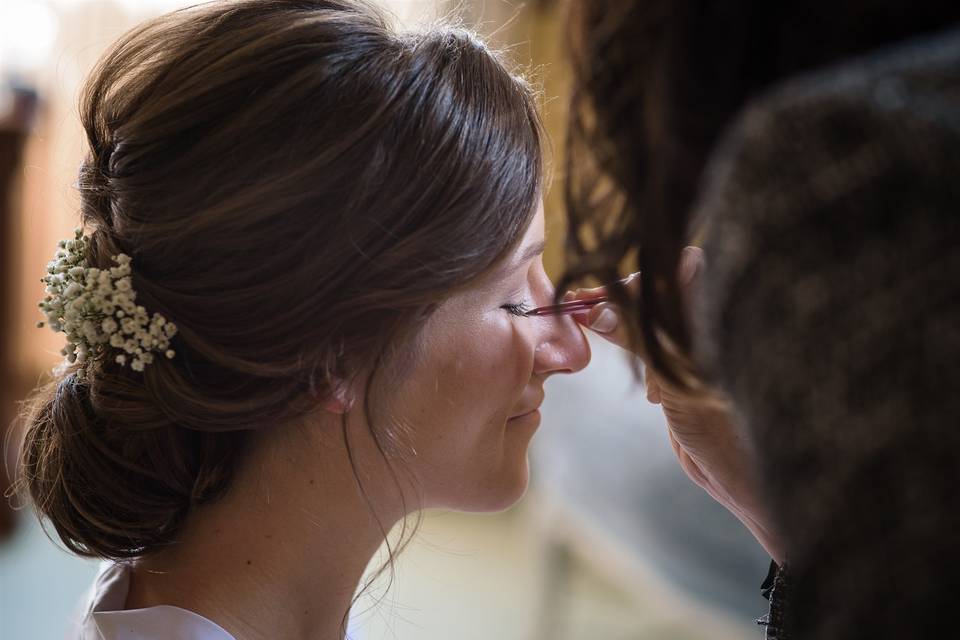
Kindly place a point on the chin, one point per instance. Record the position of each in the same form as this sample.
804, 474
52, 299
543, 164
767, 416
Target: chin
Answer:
508, 484
501, 492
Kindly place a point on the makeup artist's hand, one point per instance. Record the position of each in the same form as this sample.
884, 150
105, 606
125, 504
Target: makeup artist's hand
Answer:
711, 450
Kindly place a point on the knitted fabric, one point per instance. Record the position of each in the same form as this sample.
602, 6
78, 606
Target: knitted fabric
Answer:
829, 311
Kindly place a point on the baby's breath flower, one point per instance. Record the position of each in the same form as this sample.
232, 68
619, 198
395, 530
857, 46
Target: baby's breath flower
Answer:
96, 307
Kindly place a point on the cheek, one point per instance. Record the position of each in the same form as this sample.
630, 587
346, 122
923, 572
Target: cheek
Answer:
468, 442
488, 373
456, 403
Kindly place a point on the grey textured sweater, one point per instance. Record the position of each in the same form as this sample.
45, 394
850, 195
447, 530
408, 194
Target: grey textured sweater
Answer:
830, 313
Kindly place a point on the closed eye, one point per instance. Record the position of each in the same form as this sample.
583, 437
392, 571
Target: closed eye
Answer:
518, 309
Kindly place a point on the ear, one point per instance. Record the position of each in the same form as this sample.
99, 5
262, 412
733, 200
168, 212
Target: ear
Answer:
340, 399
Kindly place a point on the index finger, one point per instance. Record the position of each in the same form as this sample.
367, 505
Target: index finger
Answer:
631, 282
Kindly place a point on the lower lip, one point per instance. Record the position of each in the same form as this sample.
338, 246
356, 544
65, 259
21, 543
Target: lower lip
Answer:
528, 418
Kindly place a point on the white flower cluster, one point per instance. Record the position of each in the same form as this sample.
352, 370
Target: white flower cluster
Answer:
96, 308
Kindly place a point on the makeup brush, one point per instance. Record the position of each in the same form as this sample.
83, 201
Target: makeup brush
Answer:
566, 307
577, 305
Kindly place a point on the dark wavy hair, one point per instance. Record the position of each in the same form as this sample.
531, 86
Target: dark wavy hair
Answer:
299, 186
656, 82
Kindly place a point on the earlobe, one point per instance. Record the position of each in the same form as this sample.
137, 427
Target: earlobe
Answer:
339, 401
337, 398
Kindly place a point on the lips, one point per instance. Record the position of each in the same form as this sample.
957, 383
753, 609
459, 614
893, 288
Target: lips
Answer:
526, 413
531, 408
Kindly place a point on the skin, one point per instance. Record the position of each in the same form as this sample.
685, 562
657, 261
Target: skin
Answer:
710, 447
483, 368
281, 555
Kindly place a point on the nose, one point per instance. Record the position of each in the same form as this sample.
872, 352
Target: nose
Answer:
561, 346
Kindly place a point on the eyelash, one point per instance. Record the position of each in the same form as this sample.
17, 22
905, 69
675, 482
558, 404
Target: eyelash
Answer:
517, 309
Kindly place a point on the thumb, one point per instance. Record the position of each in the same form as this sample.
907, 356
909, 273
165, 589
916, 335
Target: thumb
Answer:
605, 320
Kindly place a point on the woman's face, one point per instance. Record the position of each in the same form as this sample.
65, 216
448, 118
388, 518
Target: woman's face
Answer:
468, 403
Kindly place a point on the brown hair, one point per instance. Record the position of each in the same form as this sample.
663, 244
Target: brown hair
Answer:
656, 82
298, 186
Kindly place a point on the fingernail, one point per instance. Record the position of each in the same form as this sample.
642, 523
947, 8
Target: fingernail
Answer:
605, 322
568, 296
690, 260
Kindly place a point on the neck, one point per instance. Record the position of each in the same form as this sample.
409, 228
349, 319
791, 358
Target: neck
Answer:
282, 554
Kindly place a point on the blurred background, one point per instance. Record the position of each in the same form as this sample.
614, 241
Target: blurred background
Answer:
611, 542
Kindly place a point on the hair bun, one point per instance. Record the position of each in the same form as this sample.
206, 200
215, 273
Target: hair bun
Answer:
98, 483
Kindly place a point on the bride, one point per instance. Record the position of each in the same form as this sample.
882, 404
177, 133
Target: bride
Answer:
341, 226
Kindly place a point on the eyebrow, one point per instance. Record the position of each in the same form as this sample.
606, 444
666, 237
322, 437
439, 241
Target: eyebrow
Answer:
529, 253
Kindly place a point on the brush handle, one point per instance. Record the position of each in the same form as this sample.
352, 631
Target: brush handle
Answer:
566, 307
